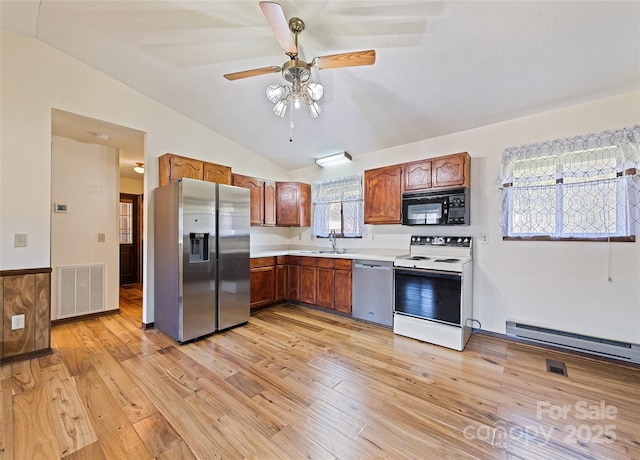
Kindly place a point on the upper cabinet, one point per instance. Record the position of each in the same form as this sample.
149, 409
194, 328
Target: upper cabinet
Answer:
382, 195
263, 199
256, 195
451, 170
383, 187
293, 204
217, 173
173, 167
416, 175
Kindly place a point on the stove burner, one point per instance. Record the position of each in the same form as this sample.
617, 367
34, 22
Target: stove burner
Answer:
418, 258
449, 261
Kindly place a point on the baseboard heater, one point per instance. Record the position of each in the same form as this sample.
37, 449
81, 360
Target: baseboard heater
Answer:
603, 347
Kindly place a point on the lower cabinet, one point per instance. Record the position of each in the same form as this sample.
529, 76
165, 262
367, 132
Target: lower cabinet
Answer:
321, 281
343, 292
262, 281
293, 278
308, 272
281, 278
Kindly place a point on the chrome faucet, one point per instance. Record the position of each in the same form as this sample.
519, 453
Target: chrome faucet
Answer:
332, 238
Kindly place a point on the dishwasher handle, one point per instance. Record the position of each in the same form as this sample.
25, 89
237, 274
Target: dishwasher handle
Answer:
372, 266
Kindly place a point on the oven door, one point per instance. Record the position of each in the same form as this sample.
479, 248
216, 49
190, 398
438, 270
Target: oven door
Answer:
428, 294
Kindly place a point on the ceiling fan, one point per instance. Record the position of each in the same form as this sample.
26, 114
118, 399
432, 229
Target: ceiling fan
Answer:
296, 71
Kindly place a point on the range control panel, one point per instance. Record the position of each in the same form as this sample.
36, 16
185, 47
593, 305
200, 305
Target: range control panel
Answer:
451, 241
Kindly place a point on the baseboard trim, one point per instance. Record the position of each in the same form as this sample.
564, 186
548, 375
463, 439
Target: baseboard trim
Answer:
147, 326
566, 351
73, 319
26, 356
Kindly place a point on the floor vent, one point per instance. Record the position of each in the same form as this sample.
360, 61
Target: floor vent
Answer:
81, 290
603, 347
556, 367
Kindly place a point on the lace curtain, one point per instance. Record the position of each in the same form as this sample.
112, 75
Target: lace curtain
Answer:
337, 205
580, 187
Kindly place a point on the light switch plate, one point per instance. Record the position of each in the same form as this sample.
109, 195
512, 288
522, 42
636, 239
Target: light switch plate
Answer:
19, 240
17, 322
101, 237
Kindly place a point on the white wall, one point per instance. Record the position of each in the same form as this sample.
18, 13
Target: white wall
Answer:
562, 285
131, 186
85, 178
37, 78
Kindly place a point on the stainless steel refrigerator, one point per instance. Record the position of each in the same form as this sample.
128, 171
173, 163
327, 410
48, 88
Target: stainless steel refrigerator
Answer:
201, 258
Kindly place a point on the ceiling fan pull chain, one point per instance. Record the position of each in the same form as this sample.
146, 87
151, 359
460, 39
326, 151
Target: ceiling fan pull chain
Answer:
291, 125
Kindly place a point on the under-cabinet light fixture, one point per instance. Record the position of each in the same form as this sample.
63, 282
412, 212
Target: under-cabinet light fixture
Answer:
331, 160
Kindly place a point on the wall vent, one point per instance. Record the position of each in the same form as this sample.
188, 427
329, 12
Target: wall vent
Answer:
603, 347
81, 289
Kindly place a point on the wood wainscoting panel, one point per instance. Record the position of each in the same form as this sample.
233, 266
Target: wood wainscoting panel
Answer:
43, 311
19, 299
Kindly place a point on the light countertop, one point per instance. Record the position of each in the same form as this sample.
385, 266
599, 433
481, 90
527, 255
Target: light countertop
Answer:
387, 255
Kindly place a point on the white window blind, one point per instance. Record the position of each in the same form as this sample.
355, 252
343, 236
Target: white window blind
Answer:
337, 205
580, 187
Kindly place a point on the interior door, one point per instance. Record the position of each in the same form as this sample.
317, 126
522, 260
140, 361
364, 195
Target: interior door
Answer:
129, 239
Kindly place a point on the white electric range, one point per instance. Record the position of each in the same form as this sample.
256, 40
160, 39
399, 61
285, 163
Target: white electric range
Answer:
432, 290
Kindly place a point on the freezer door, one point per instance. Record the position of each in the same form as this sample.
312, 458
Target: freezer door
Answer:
198, 215
233, 254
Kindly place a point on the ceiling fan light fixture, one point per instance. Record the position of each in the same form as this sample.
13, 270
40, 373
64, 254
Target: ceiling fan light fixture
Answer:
332, 160
314, 109
281, 107
315, 91
139, 168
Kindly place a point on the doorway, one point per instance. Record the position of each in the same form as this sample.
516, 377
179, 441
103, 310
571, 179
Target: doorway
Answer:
130, 230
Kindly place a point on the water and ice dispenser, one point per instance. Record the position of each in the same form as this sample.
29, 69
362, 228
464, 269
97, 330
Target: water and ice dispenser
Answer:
198, 247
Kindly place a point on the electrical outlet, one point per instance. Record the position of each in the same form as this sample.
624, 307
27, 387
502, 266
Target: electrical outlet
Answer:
484, 238
19, 240
101, 237
17, 322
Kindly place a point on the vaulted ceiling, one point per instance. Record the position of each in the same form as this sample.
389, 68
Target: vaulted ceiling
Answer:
441, 67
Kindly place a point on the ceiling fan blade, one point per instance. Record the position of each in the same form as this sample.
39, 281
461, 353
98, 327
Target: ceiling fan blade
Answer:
252, 73
278, 22
352, 59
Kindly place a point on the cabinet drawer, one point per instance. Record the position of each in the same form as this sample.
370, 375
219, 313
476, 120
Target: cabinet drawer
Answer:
293, 260
325, 262
309, 261
281, 260
262, 262
343, 264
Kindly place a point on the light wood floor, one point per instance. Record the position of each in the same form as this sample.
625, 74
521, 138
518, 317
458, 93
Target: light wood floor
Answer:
297, 383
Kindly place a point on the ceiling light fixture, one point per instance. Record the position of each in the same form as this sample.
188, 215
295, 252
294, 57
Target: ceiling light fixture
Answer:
332, 160
139, 168
297, 73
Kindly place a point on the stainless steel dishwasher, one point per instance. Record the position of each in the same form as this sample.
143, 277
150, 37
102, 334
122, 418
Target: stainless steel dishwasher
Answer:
373, 291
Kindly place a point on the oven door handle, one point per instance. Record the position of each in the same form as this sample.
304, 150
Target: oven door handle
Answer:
427, 272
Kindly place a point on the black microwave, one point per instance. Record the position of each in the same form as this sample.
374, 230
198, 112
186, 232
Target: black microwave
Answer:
436, 207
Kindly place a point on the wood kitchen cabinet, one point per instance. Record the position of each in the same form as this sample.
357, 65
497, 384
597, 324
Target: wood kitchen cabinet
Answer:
293, 204
452, 170
325, 282
262, 195
269, 219
382, 195
293, 278
173, 167
416, 175
262, 281
343, 285
281, 278
308, 272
